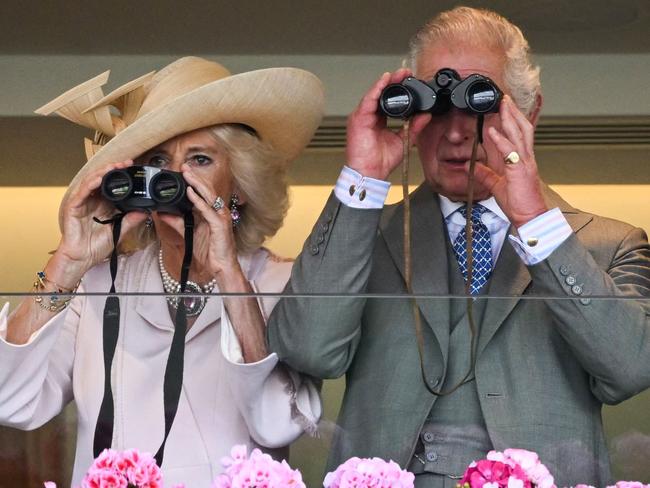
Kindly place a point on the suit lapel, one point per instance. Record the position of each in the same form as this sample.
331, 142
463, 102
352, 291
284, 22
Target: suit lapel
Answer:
511, 276
153, 308
428, 255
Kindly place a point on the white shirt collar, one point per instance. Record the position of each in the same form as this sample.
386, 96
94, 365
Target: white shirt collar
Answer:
448, 207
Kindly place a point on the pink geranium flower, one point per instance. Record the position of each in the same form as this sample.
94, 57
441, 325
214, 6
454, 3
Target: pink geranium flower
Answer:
512, 468
127, 469
369, 473
257, 471
114, 469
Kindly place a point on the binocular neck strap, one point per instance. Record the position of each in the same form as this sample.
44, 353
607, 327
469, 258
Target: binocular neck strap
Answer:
173, 380
469, 376
104, 428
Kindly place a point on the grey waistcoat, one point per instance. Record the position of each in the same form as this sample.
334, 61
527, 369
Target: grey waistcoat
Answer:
454, 433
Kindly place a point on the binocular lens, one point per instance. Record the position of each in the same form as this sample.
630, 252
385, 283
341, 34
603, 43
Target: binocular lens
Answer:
481, 97
117, 185
396, 101
165, 187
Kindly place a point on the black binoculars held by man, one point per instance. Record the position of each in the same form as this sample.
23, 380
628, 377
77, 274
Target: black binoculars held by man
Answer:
475, 94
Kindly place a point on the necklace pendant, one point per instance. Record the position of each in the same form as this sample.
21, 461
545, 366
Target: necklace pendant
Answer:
196, 303
193, 304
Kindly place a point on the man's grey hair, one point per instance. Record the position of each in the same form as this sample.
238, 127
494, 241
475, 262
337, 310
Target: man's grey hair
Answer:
484, 28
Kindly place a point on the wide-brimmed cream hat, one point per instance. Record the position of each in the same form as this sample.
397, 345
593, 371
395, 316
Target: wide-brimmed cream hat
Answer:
283, 105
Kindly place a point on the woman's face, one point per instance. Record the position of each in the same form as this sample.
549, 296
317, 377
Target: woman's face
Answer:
205, 157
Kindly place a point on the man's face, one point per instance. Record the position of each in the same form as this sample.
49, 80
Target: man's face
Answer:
445, 144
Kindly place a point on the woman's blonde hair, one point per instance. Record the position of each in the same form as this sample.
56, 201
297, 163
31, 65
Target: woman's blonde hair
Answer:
260, 175
484, 28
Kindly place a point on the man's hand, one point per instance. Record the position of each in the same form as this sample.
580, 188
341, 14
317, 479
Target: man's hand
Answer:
516, 187
372, 148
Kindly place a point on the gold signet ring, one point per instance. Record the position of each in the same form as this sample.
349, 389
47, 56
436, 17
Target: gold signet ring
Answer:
512, 158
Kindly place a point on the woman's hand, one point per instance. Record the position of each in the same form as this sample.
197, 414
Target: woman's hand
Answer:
214, 240
84, 242
214, 245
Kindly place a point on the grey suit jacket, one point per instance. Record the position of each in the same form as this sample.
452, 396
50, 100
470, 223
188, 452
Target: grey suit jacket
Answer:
544, 367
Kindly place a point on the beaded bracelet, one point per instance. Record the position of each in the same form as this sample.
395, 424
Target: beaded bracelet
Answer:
57, 301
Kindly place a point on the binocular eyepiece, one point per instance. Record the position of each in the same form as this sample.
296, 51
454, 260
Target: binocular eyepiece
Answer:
146, 188
476, 94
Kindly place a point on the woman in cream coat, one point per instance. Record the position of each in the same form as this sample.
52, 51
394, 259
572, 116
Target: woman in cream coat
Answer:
231, 138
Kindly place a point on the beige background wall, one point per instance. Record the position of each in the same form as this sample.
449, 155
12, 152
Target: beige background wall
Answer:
30, 230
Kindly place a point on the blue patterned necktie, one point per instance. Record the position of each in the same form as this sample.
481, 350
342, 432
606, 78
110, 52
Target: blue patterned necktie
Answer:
482, 250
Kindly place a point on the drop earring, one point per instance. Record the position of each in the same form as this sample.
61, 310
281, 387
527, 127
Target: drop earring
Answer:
235, 213
149, 222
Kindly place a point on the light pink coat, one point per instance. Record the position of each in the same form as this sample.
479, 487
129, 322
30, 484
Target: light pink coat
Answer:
223, 402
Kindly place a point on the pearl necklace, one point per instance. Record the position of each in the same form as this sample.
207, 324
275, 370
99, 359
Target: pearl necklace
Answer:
193, 304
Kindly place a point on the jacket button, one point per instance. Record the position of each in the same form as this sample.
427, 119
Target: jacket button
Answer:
576, 290
314, 249
427, 436
431, 456
321, 239
570, 280
564, 270
325, 226
585, 301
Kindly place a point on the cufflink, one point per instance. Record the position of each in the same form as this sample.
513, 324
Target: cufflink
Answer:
532, 241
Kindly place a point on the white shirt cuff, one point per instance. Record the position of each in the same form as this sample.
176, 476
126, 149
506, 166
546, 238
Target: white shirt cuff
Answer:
358, 191
231, 348
541, 236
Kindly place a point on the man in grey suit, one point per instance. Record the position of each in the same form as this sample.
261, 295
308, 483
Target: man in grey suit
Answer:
544, 367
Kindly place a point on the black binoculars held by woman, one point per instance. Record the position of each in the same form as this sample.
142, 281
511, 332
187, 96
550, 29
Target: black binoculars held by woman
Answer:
476, 94
146, 187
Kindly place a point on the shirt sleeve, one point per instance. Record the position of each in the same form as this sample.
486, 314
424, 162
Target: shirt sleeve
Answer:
541, 236
358, 191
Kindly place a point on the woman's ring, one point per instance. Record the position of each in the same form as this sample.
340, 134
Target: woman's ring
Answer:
512, 158
218, 203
